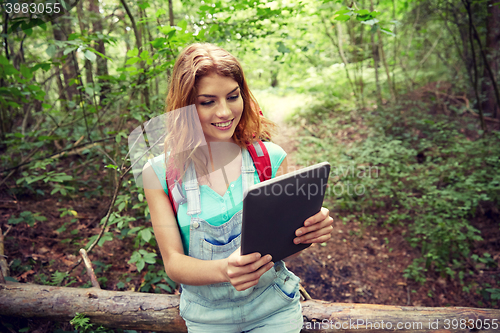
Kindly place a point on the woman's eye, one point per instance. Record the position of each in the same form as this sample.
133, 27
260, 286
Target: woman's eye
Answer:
234, 97
206, 102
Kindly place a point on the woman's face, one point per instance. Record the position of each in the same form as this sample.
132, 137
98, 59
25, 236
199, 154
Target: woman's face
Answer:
220, 105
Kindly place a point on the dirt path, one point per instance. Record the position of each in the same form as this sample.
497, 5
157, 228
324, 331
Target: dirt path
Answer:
279, 109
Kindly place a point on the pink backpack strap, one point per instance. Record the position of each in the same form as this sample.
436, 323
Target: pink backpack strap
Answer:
261, 160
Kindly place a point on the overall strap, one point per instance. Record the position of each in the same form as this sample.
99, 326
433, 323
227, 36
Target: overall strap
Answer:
174, 188
247, 171
192, 191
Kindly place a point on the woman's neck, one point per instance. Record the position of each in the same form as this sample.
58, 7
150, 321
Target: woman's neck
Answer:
220, 154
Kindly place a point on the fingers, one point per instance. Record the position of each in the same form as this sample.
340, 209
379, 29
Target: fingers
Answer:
244, 272
246, 281
323, 233
235, 269
317, 228
320, 216
246, 259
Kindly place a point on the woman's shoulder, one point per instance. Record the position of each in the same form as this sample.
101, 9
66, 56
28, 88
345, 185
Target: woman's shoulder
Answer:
154, 172
276, 156
274, 150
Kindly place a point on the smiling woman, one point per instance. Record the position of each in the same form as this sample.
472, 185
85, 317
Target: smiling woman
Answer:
219, 106
222, 291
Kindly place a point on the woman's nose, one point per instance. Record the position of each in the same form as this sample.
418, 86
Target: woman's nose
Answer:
223, 111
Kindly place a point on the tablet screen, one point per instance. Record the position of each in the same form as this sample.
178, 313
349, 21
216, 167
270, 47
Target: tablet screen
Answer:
273, 210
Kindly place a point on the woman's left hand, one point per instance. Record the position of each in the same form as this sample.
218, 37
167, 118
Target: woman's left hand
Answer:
316, 229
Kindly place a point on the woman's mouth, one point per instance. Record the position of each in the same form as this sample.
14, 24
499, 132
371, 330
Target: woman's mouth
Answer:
224, 126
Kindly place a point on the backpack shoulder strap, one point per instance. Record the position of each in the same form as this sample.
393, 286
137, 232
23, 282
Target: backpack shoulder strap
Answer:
260, 157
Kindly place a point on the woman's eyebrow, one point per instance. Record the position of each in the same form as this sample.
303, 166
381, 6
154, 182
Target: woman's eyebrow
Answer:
229, 93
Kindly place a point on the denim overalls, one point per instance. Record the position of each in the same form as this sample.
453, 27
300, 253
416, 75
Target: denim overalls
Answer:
220, 307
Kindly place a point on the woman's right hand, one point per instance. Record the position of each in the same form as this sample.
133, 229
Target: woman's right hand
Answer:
244, 272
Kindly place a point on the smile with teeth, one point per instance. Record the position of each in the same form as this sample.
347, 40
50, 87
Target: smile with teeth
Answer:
226, 124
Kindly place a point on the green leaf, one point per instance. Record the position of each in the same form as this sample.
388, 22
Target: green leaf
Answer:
146, 235
132, 61
213, 28
69, 50
343, 11
51, 51
14, 104
183, 25
63, 4
387, 32
144, 4
160, 12
44, 65
164, 287
28, 30
140, 265
90, 55
40, 218
150, 258
144, 54
10, 70
362, 12
3, 60
342, 18
106, 237
133, 53
159, 42
282, 48
89, 90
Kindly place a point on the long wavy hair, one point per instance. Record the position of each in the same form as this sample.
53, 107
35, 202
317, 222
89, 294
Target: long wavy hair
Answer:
194, 62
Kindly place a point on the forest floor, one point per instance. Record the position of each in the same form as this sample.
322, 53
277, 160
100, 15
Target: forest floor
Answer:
359, 264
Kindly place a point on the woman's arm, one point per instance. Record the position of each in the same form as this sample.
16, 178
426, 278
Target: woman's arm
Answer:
317, 228
242, 271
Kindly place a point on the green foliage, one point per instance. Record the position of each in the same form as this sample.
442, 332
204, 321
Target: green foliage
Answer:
82, 323
141, 257
27, 217
153, 278
55, 280
431, 182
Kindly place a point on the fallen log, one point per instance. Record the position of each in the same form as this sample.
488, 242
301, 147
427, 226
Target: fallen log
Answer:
160, 313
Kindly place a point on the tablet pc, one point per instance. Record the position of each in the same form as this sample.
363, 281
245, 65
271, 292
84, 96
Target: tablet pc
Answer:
273, 210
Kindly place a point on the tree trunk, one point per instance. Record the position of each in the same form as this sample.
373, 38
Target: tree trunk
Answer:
89, 78
384, 61
142, 311
375, 56
138, 41
102, 63
61, 30
171, 12
490, 104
